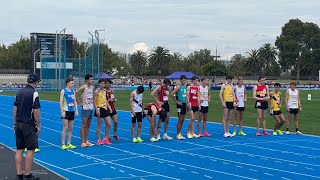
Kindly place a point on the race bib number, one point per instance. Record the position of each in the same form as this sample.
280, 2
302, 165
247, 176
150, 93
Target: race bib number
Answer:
112, 96
258, 104
71, 104
271, 111
194, 97
294, 102
178, 110
262, 95
277, 101
205, 97
145, 112
167, 92
103, 104
184, 95
165, 98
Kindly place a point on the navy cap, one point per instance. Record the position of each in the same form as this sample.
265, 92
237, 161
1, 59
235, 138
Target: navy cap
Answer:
32, 78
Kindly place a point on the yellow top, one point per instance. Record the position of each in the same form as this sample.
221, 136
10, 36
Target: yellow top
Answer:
275, 100
228, 94
101, 101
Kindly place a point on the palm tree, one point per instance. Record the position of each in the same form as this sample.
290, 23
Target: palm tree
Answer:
268, 54
138, 62
237, 65
160, 59
176, 62
254, 64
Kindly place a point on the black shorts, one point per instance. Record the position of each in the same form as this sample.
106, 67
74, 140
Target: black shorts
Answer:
103, 113
240, 108
229, 105
272, 112
114, 112
136, 118
204, 109
294, 111
182, 110
194, 109
262, 105
69, 115
166, 107
26, 136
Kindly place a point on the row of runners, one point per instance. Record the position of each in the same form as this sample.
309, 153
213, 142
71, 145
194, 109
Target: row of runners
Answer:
194, 98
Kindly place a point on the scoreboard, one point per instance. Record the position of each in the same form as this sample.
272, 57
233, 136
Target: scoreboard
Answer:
49, 47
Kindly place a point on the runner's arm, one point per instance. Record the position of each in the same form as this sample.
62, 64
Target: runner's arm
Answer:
287, 99
209, 95
131, 101
154, 92
95, 95
75, 103
61, 100
80, 90
221, 93
175, 90
188, 95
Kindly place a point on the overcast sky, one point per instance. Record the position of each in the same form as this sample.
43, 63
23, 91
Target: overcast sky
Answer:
233, 26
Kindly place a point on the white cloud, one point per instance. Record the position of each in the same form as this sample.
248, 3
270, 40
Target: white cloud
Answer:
139, 47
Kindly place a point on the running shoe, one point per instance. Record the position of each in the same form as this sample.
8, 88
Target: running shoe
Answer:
242, 133
279, 132
37, 150
189, 136
115, 137
100, 142
19, 177
182, 137
106, 141
226, 135
89, 143
206, 134
274, 133
288, 133
153, 139
258, 133
84, 145
31, 177
134, 140
200, 134
230, 135
265, 133
158, 137
234, 133
139, 140
166, 137
70, 146
195, 136
178, 137
299, 133
64, 147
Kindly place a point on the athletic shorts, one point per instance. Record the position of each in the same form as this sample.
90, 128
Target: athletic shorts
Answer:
166, 107
240, 108
182, 110
294, 111
229, 105
69, 115
26, 136
103, 113
204, 109
86, 113
194, 109
136, 118
114, 112
262, 105
272, 112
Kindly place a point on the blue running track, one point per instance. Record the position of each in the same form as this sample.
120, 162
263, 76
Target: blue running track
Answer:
275, 157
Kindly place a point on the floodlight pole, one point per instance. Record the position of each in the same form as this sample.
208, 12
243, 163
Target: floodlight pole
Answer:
60, 39
91, 52
34, 60
79, 65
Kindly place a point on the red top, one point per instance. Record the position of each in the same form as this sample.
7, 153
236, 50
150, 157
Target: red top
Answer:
110, 95
148, 107
261, 92
193, 98
163, 94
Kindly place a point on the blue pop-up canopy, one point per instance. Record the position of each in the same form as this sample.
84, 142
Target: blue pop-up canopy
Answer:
176, 75
104, 76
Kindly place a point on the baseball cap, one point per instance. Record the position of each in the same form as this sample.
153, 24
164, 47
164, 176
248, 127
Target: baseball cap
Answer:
32, 78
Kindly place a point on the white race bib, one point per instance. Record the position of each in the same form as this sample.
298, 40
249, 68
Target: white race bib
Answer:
70, 104
165, 98
194, 97
178, 110
184, 95
258, 104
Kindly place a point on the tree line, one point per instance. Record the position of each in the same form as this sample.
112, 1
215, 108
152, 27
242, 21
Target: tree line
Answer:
296, 52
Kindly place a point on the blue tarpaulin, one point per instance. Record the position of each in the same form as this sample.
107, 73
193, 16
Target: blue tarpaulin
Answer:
104, 76
176, 75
